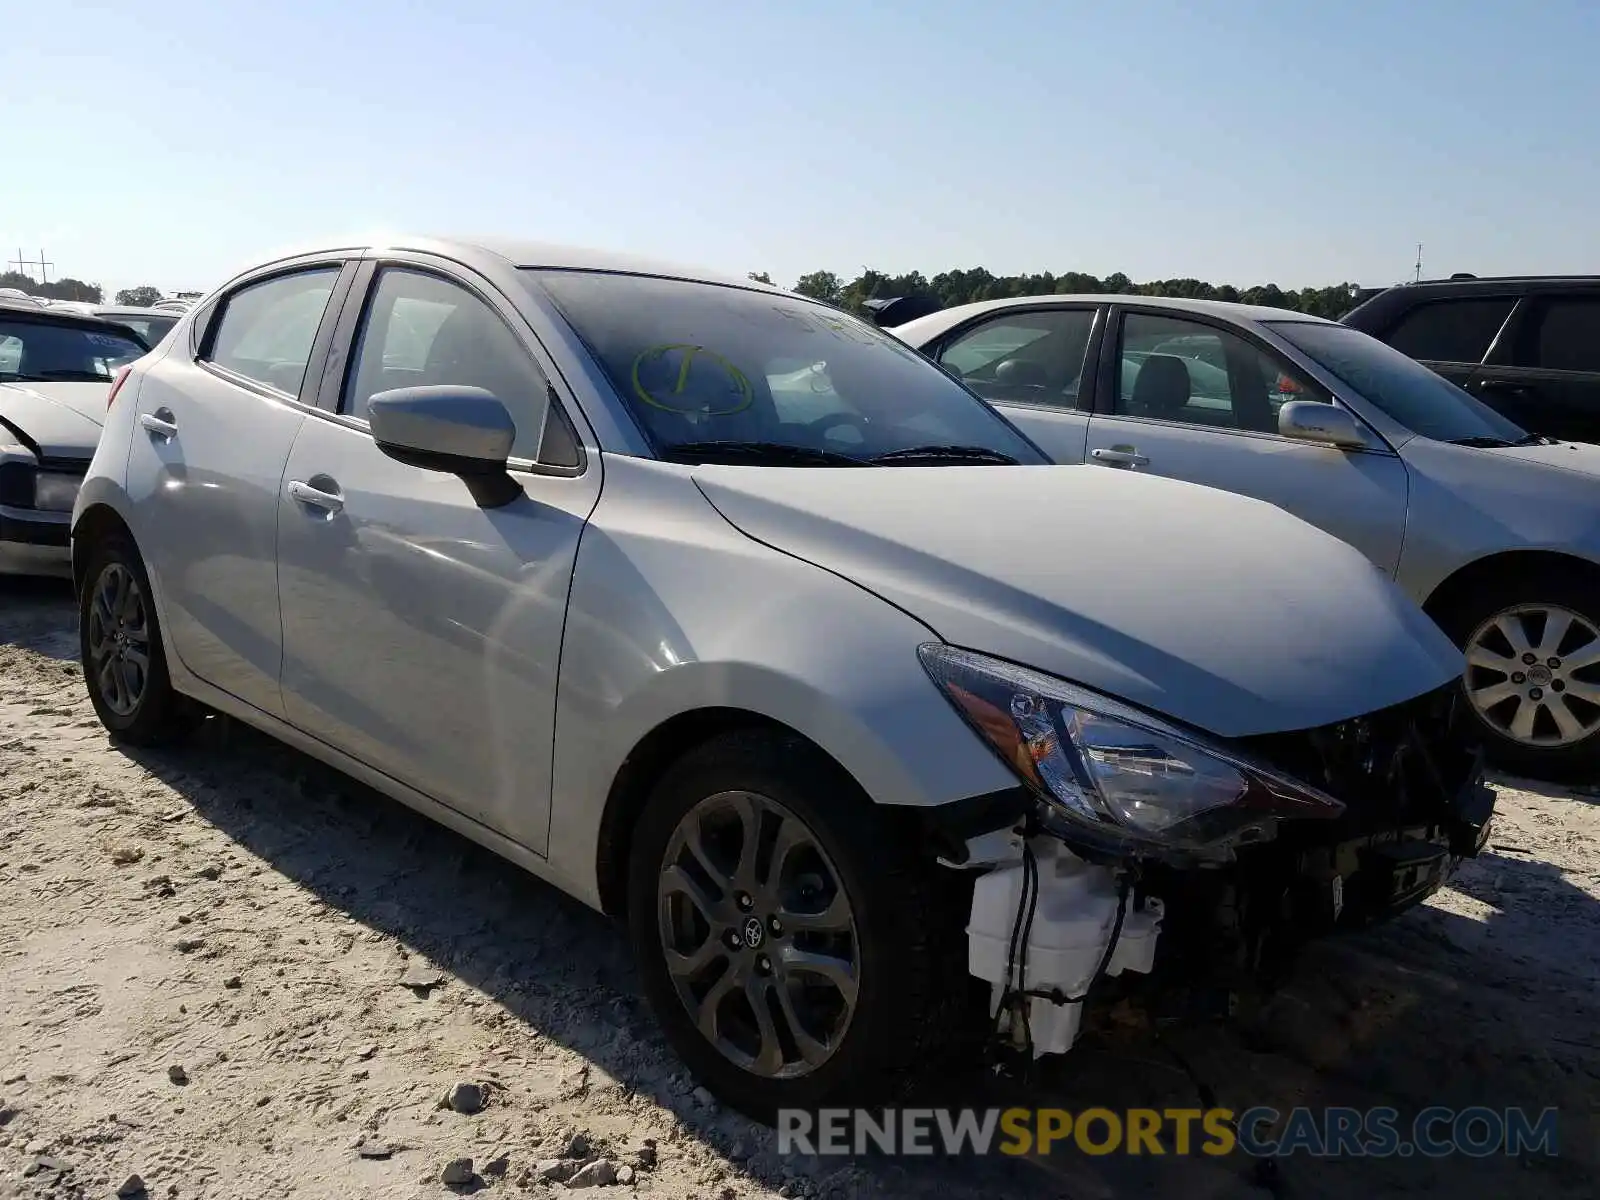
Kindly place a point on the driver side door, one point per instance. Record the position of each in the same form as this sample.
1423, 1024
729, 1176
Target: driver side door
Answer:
1198, 400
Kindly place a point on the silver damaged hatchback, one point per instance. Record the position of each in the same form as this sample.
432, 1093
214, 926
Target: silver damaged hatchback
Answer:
737, 618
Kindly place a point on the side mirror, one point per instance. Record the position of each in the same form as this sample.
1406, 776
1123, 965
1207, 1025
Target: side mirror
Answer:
1326, 424
462, 431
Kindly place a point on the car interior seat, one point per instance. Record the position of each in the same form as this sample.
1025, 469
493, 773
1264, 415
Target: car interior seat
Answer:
1162, 387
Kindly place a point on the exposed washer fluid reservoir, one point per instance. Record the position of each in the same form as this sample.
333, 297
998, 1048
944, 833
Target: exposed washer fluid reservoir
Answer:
1072, 925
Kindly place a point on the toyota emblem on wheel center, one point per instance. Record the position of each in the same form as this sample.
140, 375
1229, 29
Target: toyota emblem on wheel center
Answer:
754, 934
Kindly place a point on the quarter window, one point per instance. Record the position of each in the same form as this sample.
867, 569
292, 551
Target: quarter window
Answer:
1177, 370
1456, 331
421, 329
1566, 335
266, 329
1024, 358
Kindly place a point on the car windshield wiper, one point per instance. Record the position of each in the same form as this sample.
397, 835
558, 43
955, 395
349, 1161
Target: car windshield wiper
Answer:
72, 376
775, 453
914, 455
1485, 443
1536, 439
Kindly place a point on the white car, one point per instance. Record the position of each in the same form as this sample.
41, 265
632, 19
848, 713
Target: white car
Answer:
1494, 532
56, 367
729, 613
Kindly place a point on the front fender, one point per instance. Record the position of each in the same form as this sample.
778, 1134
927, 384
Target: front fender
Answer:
673, 610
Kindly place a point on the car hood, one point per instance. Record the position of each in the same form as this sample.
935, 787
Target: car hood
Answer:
64, 419
1579, 457
1215, 609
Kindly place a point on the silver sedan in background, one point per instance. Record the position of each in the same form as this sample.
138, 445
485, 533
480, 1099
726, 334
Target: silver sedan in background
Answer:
1495, 532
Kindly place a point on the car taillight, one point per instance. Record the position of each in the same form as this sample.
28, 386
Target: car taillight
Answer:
116, 385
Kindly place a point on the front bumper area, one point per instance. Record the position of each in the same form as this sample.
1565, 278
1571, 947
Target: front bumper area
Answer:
33, 542
1052, 920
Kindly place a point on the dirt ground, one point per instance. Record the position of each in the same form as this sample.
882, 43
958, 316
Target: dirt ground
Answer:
207, 958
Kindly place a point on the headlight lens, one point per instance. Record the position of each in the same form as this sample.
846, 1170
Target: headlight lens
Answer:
1121, 778
55, 493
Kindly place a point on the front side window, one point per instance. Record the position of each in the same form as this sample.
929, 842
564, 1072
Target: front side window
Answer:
44, 352
1024, 358
421, 329
1457, 331
710, 371
1565, 335
1172, 369
266, 329
1424, 402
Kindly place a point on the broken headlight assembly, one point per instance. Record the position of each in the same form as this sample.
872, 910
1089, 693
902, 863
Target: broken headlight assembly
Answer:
1113, 778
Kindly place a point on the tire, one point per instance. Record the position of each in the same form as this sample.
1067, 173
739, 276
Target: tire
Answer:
1563, 741
136, 704
905, 922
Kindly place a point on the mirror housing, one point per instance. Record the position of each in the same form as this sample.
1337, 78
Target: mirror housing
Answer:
461, 431
1325, 424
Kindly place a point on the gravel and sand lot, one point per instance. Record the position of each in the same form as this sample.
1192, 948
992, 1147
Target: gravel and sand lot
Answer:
232, 973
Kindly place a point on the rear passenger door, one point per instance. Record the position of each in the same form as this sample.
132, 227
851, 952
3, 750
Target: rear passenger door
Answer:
1545, 373
1452, 336
1030, 364
215, 419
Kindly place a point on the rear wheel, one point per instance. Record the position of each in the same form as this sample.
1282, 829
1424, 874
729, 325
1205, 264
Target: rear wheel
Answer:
790, 941
1532, 675
119, 637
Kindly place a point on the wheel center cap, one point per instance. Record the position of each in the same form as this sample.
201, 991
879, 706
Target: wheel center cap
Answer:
1539, 675
754, 933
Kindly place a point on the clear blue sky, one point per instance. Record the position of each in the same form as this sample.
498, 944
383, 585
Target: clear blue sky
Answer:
1238, 141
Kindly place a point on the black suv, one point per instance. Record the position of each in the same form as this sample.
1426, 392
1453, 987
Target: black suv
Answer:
1529, 346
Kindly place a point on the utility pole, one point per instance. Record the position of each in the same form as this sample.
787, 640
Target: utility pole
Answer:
1418, 278
26, 265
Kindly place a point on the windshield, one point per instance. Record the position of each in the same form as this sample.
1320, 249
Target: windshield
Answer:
39, 351
1424, 402
723, 373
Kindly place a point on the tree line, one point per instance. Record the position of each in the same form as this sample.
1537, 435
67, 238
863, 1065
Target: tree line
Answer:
967, 286
77, 289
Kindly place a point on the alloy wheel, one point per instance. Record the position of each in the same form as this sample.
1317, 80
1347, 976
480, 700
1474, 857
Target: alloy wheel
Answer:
1533, 675
119, 640
758, 935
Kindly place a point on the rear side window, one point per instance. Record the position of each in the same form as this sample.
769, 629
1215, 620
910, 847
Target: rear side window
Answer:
1451, 330
1024, 358
1564, 335
266, 329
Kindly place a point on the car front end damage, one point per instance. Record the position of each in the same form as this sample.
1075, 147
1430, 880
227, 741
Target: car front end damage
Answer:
1146, 859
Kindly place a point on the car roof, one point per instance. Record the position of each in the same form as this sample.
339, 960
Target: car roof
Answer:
924, 328
525, 253
40, 315
1491, 283
133, 310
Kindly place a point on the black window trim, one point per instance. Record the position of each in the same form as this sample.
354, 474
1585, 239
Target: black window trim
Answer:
201, 347
1091, 349
335, 375
1110, 382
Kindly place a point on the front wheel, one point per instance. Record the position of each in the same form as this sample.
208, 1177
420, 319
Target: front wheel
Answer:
119, 639
1532, 673
793, 945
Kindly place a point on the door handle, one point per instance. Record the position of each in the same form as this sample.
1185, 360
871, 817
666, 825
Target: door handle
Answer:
315, 497
160, 423
1505, 385
1119, 458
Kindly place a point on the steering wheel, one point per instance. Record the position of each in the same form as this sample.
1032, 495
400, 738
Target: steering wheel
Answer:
824, 423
